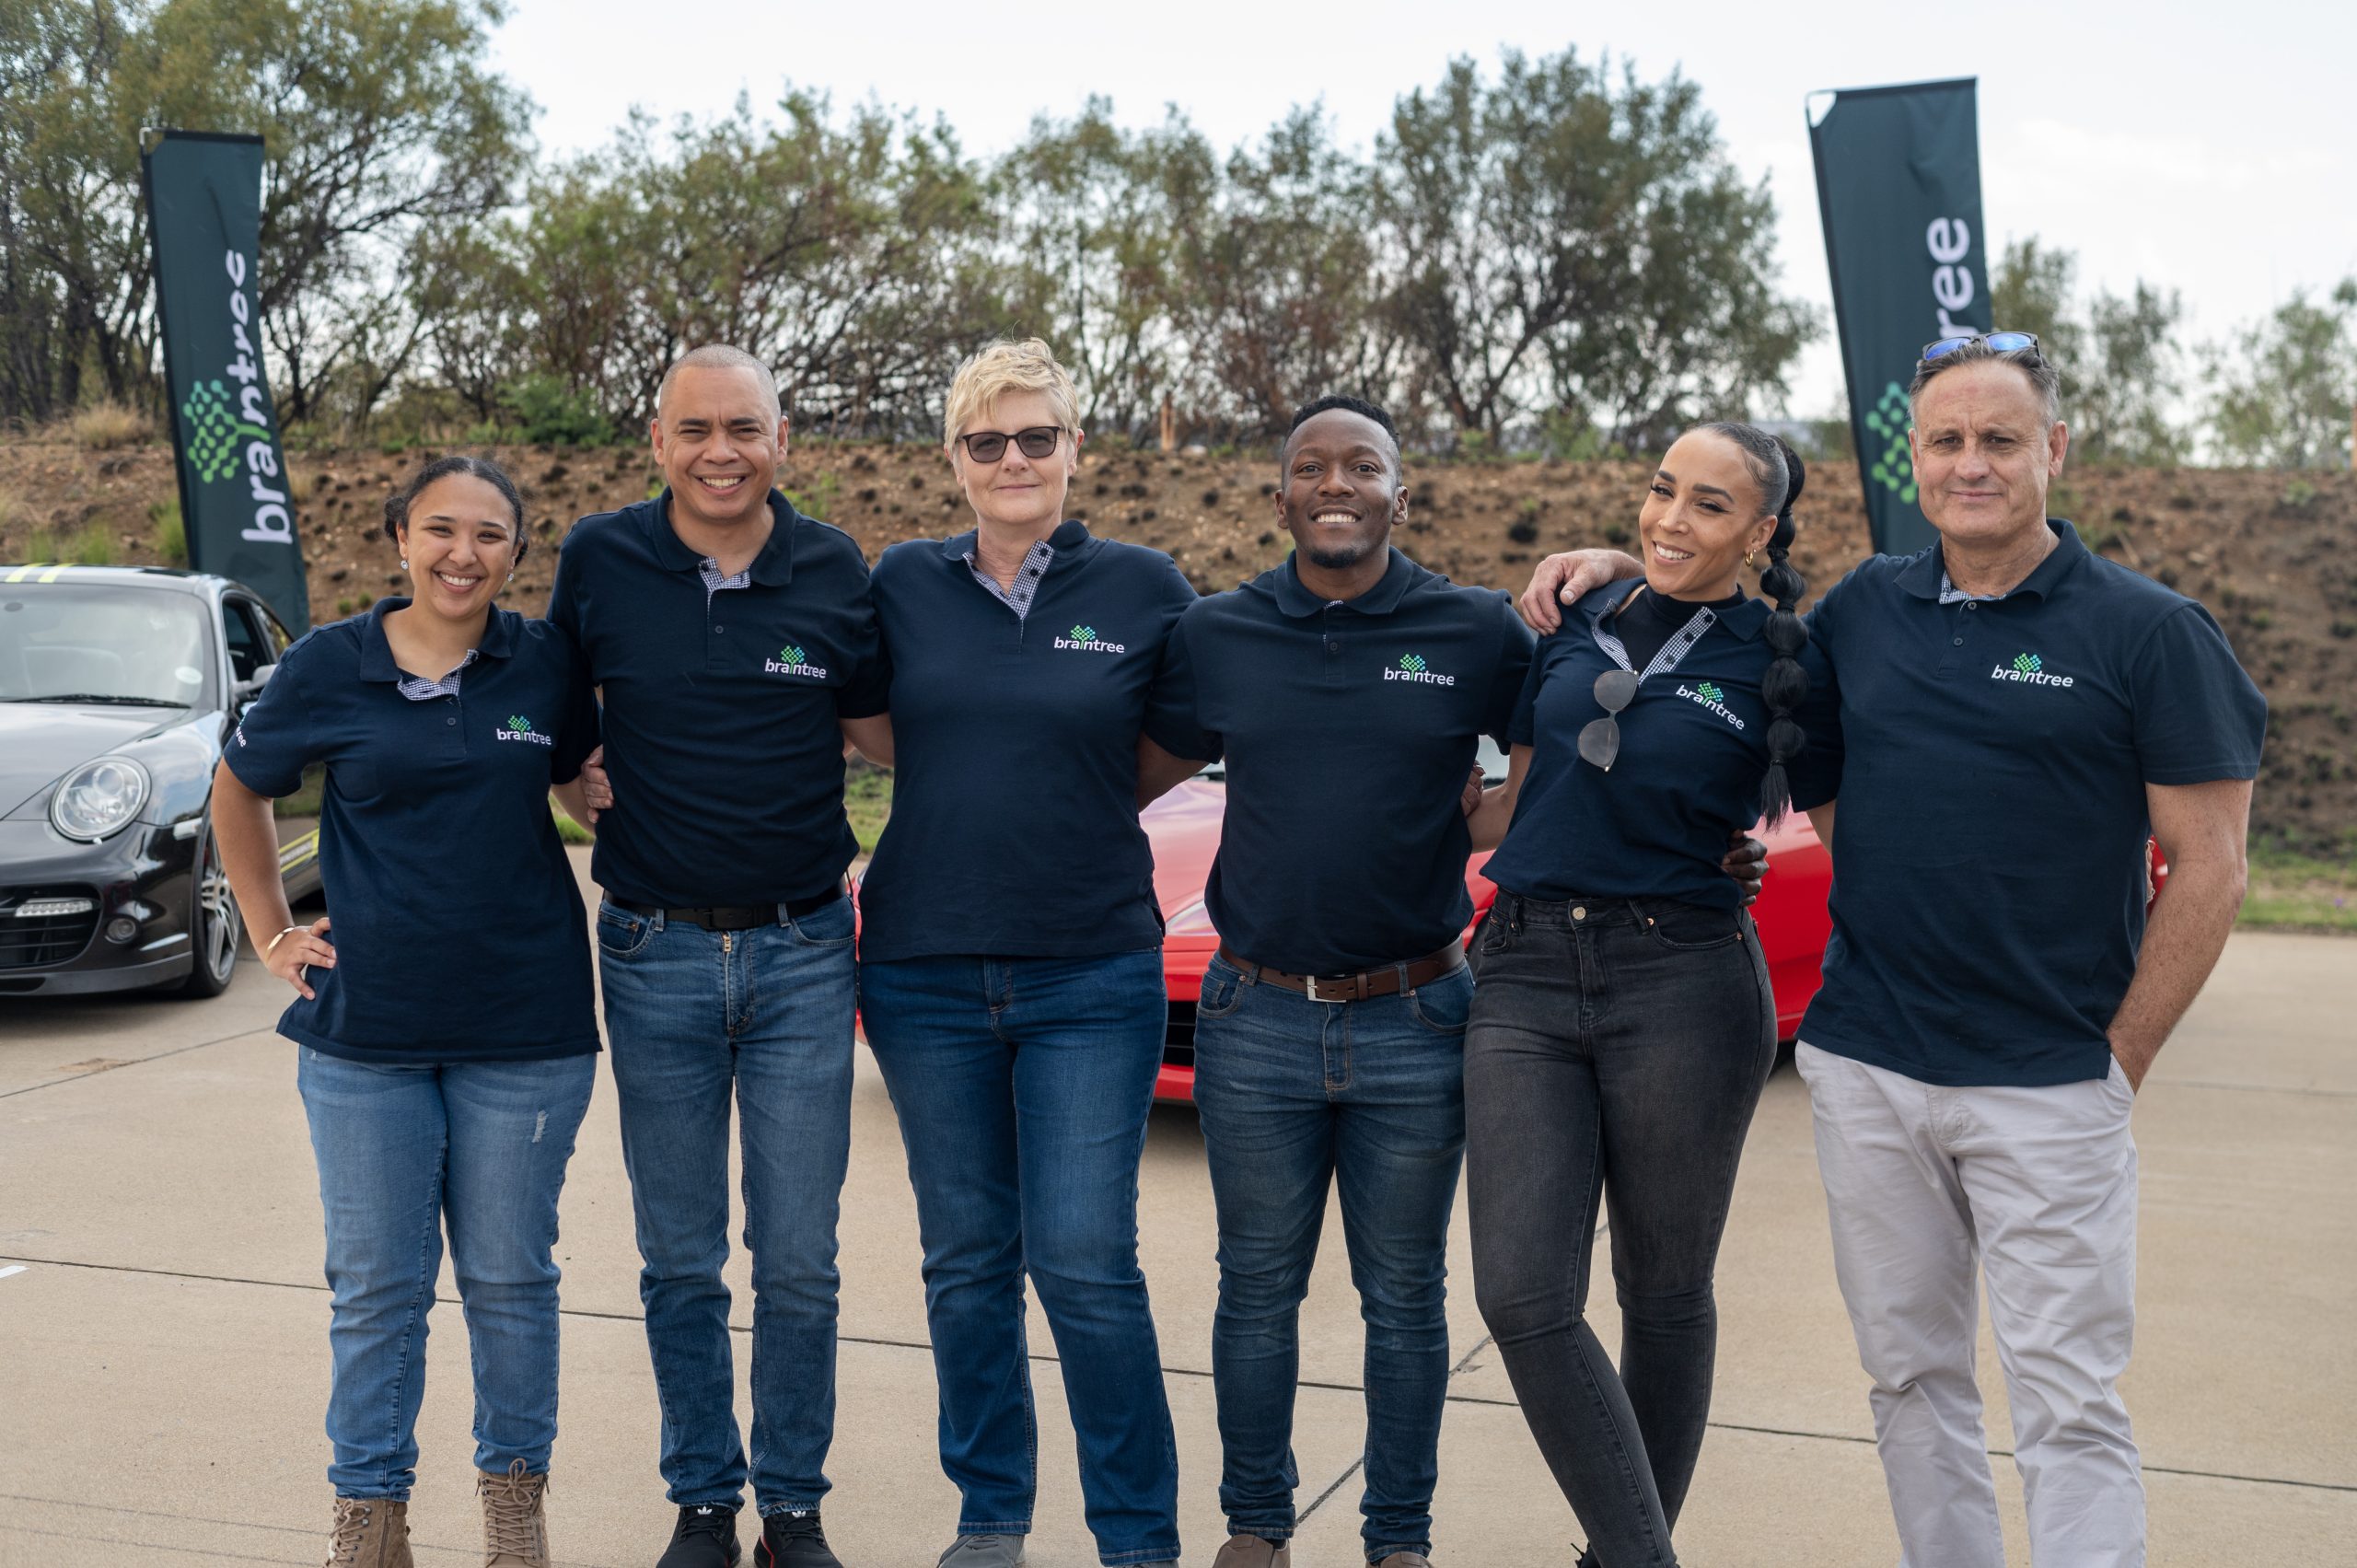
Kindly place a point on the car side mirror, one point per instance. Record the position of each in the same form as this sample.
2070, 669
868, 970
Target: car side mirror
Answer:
246, 691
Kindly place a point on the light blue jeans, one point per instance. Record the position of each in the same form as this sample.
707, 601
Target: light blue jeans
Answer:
481, 1146
1023, 1087
695, 1018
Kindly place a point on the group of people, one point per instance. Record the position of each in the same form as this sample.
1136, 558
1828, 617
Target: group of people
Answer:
2001, 720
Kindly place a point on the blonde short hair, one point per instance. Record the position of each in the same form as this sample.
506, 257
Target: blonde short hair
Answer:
1005, 366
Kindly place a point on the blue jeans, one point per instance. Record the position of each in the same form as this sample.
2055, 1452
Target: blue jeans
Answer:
692, 1015
483, 1146
1023, 1086
1369, 1097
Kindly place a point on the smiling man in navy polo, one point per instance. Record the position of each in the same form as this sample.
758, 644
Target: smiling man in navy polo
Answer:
735, 646
2016, 715
1347, 690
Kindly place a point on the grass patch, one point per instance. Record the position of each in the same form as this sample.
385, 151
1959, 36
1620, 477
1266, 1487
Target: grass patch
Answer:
868, 801
2298, 892
92, 546
171, 533
103, 426
305, 801
567, 829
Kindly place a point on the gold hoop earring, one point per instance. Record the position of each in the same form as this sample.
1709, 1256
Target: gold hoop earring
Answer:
1748, 555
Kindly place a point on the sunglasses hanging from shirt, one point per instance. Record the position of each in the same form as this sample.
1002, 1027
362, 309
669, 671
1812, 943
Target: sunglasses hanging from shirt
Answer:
1600, 738
990, 446
2000, 343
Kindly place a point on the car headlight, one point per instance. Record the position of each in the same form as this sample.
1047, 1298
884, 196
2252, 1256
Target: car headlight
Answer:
98, 798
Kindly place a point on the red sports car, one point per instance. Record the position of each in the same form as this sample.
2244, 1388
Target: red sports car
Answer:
1184, 827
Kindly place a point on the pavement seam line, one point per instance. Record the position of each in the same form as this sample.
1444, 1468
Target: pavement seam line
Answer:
142, 1062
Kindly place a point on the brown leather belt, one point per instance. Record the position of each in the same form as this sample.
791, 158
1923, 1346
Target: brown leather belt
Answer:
1389, 981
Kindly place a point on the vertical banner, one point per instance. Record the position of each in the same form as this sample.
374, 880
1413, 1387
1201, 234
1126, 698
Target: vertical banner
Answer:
1899, 184
204, 209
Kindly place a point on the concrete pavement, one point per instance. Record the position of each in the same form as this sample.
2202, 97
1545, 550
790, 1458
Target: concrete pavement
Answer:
163, 1358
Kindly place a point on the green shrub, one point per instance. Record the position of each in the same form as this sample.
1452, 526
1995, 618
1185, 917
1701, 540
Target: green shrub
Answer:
547, 410
171, 533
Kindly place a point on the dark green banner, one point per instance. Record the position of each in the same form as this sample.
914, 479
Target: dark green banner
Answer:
1898, 181
205, 206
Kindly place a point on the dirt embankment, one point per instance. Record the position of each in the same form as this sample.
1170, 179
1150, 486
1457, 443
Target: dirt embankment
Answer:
2269, 553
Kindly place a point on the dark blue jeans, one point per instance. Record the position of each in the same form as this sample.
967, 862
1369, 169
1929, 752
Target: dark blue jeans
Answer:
1022, 1086
1367, 1097
482, 1146
1616, 1048
693, 1017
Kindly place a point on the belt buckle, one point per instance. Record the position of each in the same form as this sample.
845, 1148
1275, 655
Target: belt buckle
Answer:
1310, 980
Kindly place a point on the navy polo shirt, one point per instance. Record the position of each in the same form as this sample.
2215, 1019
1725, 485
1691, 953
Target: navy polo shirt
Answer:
1693, 747
459, 931
1349, 730
1015, 817
1989, 845
720, 707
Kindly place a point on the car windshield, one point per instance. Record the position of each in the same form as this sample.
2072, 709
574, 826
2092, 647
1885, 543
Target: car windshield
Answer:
84, 641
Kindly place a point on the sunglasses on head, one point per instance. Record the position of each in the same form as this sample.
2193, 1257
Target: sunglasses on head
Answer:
1600, 740
990, 446
2002, 342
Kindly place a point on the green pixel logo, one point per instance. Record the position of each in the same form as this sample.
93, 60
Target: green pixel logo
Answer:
1413, 663
1084, 639
1711, 693
214, 432
1888, 421
514, 722
1083, 634
790, 653
792, 660
520, 728
1411, 667
2028, 663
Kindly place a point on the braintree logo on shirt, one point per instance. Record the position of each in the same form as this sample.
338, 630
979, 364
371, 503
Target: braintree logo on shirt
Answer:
1411, 667
1084, 639
789, 661
1710, 696
520, 728
2030, 670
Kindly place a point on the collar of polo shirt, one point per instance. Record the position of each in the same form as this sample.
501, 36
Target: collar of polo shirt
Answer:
1069, 536
1381, 599
772, 568
377, 654
1923, 575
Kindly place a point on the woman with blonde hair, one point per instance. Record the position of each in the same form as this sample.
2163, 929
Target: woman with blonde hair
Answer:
1011, 972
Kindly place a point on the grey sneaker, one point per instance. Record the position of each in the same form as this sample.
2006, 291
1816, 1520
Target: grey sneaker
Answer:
985, 1551
1404, 1559
1254, 1551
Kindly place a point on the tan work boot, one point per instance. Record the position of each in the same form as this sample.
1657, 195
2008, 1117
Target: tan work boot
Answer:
515, 1530
370, 1532
1254, 1551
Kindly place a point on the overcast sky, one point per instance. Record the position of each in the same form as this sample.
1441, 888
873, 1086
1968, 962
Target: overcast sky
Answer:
2210, 148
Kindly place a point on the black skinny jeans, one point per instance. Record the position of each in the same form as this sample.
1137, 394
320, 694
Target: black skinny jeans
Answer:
1616, 1047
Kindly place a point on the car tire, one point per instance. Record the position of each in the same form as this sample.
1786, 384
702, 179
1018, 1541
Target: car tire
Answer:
217, 929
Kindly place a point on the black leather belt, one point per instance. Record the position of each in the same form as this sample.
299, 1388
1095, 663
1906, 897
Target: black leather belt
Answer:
1389, 981
736, 917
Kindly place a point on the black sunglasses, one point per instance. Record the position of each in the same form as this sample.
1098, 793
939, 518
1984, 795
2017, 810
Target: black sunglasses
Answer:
990, 446
2003, 342
1600, 740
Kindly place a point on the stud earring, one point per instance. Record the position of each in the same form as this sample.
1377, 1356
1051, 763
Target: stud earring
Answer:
405, 563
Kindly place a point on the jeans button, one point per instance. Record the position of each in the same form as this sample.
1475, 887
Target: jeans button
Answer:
1579, 911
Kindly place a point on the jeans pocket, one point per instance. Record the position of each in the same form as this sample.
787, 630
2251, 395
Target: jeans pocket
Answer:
1443, 1006
621, 933
828, 927
1692, 928
1495, 935
1223, 989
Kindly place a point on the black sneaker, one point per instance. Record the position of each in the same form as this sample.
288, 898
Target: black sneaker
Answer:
792, 1538
706, 1537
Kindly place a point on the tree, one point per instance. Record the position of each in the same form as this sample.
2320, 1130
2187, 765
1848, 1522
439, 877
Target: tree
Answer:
2282, 400
2133, 379
1571, 237
2032, 292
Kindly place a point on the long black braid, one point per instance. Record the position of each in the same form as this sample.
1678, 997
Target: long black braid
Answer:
1779, 471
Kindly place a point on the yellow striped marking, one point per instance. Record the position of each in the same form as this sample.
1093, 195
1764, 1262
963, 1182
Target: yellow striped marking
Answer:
52, 574
21, 573
294, 852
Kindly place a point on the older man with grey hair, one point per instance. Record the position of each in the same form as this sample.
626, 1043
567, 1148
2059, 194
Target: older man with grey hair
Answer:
2017, 715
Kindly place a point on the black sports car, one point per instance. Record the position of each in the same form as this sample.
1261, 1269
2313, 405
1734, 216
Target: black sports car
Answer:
117, 687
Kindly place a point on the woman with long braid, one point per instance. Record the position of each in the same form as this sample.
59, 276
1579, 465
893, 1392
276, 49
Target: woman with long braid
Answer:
1622, 1026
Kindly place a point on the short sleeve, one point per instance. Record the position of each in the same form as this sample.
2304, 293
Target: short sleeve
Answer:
1815, 771
1173, 719
577, 735
1522, 724
2198, 715
564, 600
1507, 680
869, 691
276, 736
